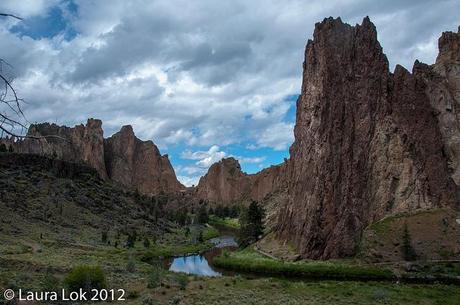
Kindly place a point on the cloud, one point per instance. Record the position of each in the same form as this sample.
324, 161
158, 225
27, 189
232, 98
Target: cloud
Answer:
278, 136
189, 180
27, 8
208, 73
251, 159
204, 158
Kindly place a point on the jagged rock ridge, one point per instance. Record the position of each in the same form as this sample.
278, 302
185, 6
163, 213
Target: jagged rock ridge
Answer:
367, 143
80, 144
123, 158
226, 183
139, 164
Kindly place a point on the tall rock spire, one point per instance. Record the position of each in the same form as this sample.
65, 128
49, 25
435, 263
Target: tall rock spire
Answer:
366, 144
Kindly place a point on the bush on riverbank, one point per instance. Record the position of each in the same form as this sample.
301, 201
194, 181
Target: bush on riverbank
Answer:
249, 261
232, 223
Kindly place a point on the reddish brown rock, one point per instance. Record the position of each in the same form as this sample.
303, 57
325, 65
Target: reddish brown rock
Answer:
138, 164
443, 90
367, 144
80, 144
226, 183
268, 181
125, 159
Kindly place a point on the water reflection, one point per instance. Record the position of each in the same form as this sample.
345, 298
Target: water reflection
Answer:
193, 264
201, 264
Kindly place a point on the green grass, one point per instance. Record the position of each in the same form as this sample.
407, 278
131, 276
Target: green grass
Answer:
382, 226
232, 223
210, 232
239, 290
250, 261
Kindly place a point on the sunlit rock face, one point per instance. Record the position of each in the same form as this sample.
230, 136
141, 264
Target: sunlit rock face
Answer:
138, 164
368, 143
225, 183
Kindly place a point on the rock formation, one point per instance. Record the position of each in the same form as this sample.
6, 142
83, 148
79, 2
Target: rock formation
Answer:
443, 90
226, 183
124, 158
138, 164
80, 144
367, 141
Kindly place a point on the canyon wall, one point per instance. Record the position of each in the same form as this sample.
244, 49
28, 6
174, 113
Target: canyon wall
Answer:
226, 183
138, 164
368, 143
80, 144
123, 158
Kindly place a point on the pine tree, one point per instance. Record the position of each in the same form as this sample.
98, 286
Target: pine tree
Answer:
408, 251
203, 216
251, 222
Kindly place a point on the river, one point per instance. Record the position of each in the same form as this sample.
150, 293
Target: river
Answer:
201, 264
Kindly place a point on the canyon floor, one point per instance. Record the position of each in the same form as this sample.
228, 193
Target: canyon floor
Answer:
55, 217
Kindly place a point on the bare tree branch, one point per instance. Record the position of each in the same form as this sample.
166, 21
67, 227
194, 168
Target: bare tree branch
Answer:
10, 15
10, 121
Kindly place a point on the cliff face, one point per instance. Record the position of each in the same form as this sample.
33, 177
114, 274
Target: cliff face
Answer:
443, 90
367, 143
268, 182
80, 144
138, 164
124, 158
225, 182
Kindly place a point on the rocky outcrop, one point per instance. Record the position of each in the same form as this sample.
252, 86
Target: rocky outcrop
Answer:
123, 158
80, 144
226, 183
138, 164
367, 143
443, 90
268, 181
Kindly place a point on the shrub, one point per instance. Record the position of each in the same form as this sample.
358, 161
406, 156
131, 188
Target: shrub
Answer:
182, 280
380, 294
149, 301
266, 266
131, 265
203, 216
155, 278
408, 251
104, 237
146, 242
131, 240
50, 282
85, 277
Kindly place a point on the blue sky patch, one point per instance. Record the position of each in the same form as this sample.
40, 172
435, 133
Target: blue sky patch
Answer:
49, 25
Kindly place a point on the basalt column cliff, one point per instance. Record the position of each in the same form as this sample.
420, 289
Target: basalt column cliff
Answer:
368, 143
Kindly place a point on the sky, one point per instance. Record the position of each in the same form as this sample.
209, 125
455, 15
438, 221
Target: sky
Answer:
203, 79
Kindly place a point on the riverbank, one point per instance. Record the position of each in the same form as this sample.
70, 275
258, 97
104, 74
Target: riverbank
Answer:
227, 222
250, 261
